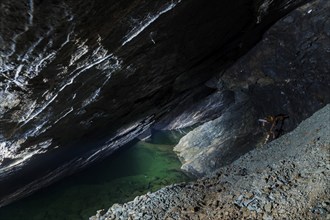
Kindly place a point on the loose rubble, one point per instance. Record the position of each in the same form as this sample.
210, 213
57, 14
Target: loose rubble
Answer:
285, 179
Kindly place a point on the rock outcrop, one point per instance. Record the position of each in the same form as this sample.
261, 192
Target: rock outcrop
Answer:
78, 79
285, 179
286, 73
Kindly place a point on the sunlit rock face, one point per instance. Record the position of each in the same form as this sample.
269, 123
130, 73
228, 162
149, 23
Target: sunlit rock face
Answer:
80, 78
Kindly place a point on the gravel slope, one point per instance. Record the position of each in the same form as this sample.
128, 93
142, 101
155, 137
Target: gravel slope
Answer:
285, 179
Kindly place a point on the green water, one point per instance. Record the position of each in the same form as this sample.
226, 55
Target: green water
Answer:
139, 168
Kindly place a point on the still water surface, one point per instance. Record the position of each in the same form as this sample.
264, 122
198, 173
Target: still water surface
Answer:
139, 168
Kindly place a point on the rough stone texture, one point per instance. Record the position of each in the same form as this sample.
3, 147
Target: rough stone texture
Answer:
211, 145
285, 179
286, 73
78, 79
193, 111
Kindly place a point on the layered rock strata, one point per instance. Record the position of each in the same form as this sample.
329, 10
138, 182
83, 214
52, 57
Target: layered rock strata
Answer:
78, 79
286, 73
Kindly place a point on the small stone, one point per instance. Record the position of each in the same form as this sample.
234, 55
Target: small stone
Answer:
254, 215
216, 203
266, 189
238, 201
268, 207
249, 195
247, 202
99, 213
136, 201
277, 194
240, 198
147, 217
281, 211
266, 217
245, 212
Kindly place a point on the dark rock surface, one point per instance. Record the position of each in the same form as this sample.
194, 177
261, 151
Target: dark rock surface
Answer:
220, 141
78, 79
285, 179
286, 73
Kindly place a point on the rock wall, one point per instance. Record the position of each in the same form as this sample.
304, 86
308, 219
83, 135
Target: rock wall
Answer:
78, 79
286, 73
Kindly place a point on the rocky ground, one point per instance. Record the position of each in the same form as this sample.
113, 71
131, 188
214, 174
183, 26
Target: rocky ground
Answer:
285, 179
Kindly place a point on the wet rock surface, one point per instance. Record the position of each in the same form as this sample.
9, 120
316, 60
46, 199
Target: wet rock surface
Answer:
286, 73
285, 179
80, 79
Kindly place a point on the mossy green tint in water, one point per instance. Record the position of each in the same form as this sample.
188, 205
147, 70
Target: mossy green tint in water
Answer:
143, 167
